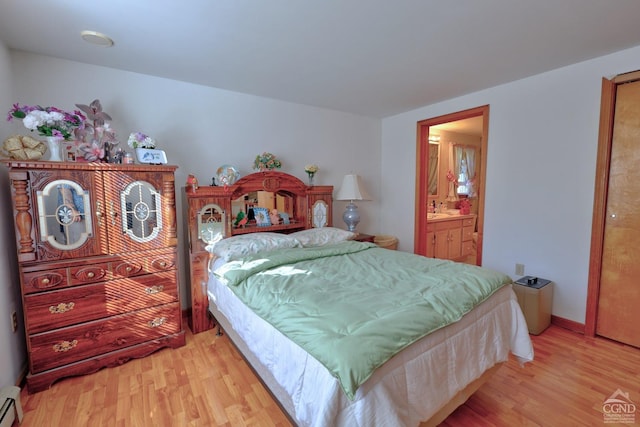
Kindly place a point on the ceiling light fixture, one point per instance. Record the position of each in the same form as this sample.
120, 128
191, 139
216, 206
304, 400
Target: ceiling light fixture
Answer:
96, 38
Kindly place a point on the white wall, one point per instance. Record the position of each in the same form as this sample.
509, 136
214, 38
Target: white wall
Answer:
12, 344
202, 128
541, 161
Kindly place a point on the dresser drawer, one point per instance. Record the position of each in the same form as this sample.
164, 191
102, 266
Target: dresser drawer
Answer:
469, 222
151, 263
467, 233
128, 268
161, 262
91, 273
444, 225
39, 281
467, 248
63, 346
71, 306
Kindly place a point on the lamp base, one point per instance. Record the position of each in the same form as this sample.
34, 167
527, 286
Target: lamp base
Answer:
351, 217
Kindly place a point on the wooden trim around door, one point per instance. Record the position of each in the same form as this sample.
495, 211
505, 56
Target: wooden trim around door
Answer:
422, 153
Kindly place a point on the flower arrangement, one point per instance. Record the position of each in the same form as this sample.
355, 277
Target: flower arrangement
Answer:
48, 121
98, 139
140, 140
266, 161
311, 170
465, 207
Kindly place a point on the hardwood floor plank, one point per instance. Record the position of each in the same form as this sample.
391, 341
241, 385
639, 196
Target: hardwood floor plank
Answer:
207, 383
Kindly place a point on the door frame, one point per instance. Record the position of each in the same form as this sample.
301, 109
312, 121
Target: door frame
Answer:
603, 163
422, 174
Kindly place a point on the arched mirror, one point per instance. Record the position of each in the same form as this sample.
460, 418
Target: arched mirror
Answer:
319, 217
211, 221
142, 214
64, 214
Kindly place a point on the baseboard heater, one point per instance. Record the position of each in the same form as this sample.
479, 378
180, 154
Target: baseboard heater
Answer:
11, 407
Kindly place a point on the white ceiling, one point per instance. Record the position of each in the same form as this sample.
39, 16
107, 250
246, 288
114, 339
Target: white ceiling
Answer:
370, 57
472, 126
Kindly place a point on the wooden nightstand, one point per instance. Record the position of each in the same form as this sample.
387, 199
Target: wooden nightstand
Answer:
361, 237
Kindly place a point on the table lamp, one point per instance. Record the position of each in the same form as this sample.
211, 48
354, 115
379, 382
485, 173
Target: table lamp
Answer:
351, 190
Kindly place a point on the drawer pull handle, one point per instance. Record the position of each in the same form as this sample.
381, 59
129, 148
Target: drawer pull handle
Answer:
91, 275
158, 321
163, 264
63, 346
153, 289
61, 308
128, 269
46, 281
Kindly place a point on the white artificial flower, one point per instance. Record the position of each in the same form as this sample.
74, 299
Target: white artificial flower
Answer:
140, 140
31, 121
311, 168
53, 117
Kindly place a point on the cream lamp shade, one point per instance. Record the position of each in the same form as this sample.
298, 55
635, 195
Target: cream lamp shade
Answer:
351, 190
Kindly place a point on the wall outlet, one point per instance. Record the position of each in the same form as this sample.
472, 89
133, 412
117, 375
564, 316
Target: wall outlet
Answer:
520, 269
14, 321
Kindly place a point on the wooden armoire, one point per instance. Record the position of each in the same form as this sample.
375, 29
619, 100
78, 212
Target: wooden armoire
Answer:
97, 255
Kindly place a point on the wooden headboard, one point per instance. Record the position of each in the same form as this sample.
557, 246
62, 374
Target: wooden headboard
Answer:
275, 190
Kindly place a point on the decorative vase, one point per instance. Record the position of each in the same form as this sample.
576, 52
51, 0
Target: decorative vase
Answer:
55, 144
311, 175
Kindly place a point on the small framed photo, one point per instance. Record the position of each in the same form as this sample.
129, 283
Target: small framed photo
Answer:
70, 151
262, 217
154, 157
285, 217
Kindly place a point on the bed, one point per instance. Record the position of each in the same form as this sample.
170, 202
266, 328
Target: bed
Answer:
417, 379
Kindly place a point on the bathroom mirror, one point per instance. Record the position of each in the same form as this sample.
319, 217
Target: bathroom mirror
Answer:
434, 156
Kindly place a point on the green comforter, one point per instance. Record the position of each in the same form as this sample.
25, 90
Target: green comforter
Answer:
354, 305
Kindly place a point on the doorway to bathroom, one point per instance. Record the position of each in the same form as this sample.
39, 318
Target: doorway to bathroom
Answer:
437, 138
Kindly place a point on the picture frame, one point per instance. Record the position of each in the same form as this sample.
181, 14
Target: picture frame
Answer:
71, 152
262, 217
285, 217
151, 156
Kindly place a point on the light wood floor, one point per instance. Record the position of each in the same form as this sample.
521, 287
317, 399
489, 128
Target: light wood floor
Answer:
206, 383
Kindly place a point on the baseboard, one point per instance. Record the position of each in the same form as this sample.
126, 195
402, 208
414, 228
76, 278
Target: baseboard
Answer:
567, 324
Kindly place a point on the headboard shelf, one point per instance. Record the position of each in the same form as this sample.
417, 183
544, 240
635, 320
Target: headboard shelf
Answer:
282, 228
307, 206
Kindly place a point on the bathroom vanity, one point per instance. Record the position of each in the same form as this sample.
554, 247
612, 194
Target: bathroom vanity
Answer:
450, 235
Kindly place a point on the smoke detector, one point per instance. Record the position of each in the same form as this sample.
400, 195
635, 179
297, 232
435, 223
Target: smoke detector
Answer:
96, 38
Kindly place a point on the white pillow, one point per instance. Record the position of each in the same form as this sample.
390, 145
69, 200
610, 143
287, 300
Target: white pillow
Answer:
247, 244
322, 236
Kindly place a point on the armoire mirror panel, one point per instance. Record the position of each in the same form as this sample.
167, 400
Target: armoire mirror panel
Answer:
141, 207
64, 210
211, 222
